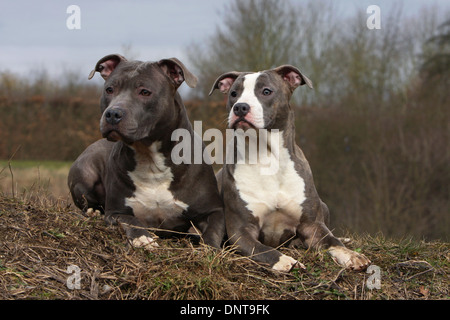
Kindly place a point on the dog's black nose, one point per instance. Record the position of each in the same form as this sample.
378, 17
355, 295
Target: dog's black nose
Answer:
114, 116
241, 109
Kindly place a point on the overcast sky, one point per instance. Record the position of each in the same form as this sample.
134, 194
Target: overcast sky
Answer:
34, 35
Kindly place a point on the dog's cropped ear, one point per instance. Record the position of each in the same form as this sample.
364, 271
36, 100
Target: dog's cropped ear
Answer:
293, 76
225, 81
178, 72
106, 65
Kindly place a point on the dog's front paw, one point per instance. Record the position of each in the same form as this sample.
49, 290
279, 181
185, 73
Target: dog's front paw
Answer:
145, 242
91, 213
286, 264
349, 259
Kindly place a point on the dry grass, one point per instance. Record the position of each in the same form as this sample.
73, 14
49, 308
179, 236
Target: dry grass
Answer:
35, 178
39, 240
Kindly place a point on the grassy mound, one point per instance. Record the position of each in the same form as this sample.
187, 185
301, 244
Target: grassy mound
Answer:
40, 240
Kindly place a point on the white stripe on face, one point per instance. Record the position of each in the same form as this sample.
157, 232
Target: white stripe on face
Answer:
256, 115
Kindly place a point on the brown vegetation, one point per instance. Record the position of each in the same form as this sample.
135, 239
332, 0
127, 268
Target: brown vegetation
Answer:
41, 239
46, 120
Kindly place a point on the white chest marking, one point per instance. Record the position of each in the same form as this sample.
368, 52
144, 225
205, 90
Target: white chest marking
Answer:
152, 198
281, 193
248, 96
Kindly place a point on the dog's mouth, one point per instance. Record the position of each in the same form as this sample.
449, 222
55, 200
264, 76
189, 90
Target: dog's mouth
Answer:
114, 136
242, 123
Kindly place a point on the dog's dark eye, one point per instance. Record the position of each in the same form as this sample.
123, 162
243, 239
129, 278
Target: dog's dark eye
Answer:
233, 94
145, 93
109, 90
267, 92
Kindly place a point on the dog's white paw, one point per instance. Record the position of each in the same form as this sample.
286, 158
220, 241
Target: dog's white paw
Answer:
286, 263
145, 242
90, 212
349, 259
345, 240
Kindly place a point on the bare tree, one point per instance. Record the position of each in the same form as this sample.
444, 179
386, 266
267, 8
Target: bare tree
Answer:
349, 64
254, 35
258, 35
436, 64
